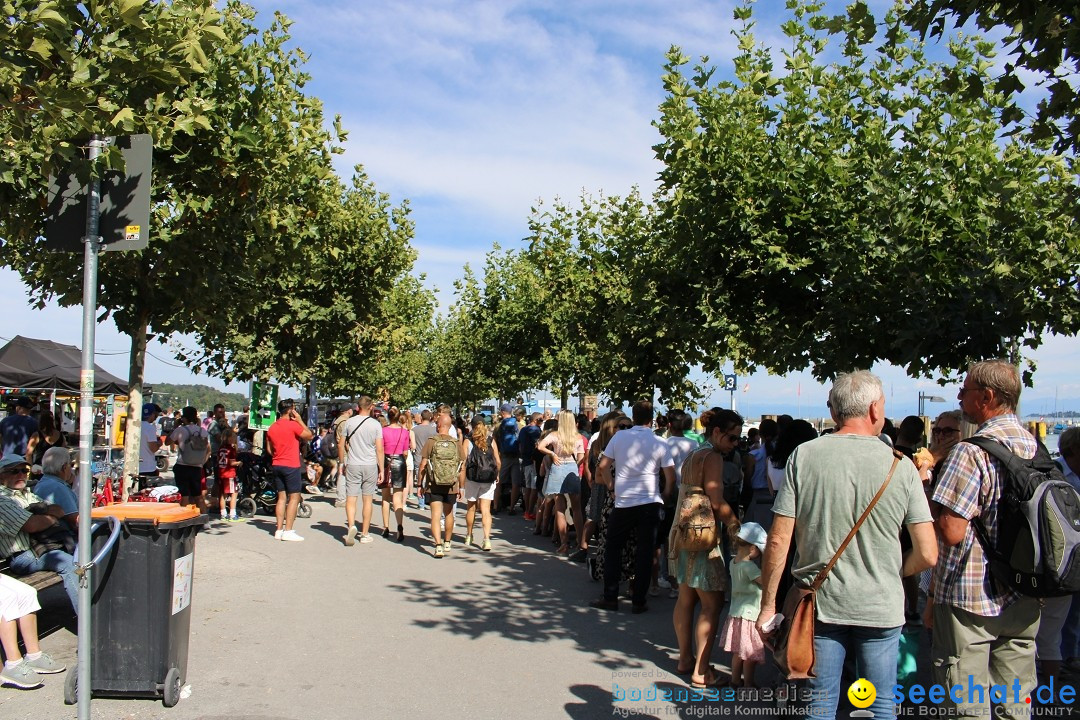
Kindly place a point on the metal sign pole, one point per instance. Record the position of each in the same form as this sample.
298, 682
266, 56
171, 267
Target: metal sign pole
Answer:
86, 430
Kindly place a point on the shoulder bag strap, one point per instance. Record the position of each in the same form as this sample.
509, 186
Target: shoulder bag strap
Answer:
697, 487
866, 513
349, 436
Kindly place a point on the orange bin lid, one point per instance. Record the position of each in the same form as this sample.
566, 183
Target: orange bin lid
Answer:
147, 512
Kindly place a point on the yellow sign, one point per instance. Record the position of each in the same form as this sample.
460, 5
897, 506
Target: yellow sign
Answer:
132, 232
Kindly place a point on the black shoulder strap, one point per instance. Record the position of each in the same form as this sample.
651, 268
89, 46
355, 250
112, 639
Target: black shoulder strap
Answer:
360, 425
997, 450
1017, 467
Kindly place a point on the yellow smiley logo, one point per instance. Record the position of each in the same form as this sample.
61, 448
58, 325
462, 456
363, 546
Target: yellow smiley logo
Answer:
862, 693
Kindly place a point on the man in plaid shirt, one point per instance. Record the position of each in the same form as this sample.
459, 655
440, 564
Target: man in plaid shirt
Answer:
981, 629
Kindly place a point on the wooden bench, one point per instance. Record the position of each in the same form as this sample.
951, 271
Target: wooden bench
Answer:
38, 580
49, 622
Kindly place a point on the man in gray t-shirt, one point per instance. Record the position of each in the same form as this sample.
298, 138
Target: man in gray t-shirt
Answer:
339, 438
422, 432
360, 454
828, 483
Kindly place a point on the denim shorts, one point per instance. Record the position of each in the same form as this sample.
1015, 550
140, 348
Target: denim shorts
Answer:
562, 478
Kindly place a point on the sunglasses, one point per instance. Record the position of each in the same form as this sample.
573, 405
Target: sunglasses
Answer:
943, 431
23, 471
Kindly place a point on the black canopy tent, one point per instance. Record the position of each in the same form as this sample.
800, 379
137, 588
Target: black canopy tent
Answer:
29, 364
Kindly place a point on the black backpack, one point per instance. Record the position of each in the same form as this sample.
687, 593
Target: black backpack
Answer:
328, 447
480, 466
1038, 544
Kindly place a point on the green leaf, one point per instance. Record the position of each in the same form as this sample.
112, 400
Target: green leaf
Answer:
123, 120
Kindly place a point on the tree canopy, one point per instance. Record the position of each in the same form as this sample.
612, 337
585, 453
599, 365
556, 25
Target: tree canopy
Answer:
860, 210
1041, 38
257, 248
856, 205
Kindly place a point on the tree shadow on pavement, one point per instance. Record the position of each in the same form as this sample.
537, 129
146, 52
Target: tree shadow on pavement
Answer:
542, 598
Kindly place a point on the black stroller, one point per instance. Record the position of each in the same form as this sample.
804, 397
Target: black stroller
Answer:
256, 489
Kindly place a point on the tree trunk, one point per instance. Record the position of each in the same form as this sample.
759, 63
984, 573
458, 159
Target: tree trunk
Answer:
133, 431
564, 396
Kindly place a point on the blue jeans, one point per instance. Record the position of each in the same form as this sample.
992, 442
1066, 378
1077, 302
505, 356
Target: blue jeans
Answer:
56, 560
875, 651
1070, 631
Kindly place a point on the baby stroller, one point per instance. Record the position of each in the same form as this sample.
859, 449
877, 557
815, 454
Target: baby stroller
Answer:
256, 489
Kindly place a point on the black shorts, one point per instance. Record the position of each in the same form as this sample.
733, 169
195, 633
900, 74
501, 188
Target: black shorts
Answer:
440, 497
287, 479
188, 479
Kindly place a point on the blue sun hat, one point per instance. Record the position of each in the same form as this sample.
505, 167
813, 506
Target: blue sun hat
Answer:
11, 461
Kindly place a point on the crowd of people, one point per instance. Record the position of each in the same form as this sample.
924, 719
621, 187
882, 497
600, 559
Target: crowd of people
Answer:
671, 502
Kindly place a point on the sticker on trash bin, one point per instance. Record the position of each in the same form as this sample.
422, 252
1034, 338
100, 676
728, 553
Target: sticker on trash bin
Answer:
181, 586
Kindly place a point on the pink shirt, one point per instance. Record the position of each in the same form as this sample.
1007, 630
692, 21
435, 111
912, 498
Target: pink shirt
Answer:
395, 440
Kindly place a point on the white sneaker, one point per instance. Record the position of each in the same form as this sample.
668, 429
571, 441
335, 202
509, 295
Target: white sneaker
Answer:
277, 534
291, 536
663, 583
366, 539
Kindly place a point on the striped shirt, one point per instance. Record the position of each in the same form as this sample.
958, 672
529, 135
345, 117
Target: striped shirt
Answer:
13, 539
970, 486
23, 497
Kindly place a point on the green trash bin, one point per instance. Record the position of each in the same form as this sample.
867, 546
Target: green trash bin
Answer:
141, 602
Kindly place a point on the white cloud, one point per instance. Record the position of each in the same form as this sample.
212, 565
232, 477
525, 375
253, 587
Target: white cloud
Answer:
491, 105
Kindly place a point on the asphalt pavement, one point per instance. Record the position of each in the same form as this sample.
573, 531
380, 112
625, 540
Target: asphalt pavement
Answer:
320, 630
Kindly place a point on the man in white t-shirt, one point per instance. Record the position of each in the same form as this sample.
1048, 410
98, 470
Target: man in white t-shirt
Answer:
150, 441
640, 458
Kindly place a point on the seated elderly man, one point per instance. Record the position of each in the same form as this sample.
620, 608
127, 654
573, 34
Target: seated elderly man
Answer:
23, 513
54, 487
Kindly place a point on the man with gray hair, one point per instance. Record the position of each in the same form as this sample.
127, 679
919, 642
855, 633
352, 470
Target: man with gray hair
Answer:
983, 630
828, 483
54, 487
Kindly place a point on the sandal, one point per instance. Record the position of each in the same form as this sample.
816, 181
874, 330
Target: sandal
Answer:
690, 670
714, 680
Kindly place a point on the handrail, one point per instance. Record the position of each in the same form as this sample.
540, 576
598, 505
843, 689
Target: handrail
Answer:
108, 546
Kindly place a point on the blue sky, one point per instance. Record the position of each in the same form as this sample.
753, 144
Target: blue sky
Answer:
475, 111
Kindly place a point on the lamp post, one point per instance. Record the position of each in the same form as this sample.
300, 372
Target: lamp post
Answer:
924, 398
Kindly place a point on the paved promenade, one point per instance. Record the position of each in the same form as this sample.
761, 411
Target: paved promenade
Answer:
319, 630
